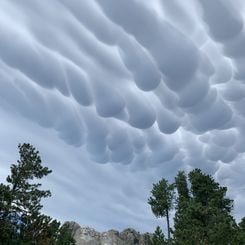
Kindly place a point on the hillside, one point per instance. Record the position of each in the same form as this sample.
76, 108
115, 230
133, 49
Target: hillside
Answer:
89, 236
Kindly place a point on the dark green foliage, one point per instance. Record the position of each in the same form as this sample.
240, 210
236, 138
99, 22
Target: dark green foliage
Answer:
182, 186
202, 212
207, 192
240, 234
158, 237
21, 220
242, 224
184, 206
65, 236
204, 217
161, 200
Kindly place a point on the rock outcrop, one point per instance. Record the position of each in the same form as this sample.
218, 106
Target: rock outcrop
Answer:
89, 236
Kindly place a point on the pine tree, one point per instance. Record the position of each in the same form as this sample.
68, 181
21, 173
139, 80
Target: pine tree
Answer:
21, 220
203, 217
161, 200
202, 211
182, 186
158, 237
184, 226
239, 234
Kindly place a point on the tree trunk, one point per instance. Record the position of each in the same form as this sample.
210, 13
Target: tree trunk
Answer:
168, 227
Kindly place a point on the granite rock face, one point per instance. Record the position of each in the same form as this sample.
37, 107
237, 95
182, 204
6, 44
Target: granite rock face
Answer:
89, 236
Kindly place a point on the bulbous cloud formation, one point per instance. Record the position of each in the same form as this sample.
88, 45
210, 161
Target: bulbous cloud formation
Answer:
144, 84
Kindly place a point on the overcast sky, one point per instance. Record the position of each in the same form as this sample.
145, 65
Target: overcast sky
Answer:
116, 94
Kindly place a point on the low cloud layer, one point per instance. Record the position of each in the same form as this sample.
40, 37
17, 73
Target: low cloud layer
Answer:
134, 90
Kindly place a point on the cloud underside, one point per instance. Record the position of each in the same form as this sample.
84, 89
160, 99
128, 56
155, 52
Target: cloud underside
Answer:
129, 82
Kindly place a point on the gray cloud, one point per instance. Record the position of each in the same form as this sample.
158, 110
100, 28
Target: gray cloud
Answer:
126, 92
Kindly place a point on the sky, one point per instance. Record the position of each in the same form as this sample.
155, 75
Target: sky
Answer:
118, 94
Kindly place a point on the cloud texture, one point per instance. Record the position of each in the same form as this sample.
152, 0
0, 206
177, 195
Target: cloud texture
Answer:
131, 91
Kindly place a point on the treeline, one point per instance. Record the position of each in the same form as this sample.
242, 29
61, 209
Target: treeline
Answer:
21, 219
203, 212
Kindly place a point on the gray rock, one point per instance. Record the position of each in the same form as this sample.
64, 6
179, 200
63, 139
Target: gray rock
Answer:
89, 236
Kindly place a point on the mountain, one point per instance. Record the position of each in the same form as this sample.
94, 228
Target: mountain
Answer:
89, 236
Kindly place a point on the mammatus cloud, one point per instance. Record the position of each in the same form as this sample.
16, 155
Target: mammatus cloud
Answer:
143, 89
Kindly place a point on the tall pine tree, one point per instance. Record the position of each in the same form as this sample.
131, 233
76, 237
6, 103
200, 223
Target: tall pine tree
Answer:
204, 216
161, 200
21, 220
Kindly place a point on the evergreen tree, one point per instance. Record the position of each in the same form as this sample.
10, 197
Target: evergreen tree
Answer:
65, 236
204, 216
161, 200
182, 186
202, 211
158, 237
182, 215
21, 220
240, 233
